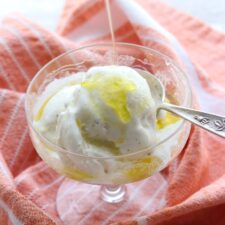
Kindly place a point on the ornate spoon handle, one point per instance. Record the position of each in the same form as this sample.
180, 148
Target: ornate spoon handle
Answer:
210, 122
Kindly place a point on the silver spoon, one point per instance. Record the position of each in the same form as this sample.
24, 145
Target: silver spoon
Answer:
210, 122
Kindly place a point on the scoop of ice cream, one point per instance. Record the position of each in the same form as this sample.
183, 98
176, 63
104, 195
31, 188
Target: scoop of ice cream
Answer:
108, 110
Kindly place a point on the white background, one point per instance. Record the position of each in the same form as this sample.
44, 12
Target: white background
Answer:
47, 12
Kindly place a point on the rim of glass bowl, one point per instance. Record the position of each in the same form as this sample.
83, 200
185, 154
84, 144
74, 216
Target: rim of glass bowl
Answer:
188, 100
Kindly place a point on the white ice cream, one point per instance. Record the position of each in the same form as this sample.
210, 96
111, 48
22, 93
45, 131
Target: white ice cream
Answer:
105, 111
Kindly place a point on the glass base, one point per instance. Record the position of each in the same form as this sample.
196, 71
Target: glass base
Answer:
81, 204
113, 194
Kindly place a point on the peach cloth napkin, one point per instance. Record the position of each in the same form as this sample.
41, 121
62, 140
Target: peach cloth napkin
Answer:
190, 191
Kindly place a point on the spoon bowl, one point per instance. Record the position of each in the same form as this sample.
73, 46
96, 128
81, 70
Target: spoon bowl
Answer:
210, 122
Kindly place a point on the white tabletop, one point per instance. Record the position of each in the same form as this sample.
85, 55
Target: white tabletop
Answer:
209, 11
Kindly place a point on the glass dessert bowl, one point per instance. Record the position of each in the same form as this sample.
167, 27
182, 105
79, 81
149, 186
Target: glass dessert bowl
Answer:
114, 170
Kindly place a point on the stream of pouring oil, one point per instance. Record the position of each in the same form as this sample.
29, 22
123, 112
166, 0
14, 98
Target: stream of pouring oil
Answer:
109, 15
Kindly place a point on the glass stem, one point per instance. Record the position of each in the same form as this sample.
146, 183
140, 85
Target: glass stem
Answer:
113, 193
